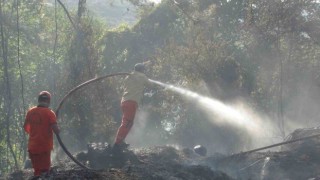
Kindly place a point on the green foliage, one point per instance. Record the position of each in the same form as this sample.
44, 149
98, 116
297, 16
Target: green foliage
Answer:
235, 48
219, 48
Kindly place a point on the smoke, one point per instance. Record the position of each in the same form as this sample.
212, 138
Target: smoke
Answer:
137, 132
302, 111
144, 132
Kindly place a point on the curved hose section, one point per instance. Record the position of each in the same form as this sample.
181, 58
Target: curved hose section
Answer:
64, 99
69, 154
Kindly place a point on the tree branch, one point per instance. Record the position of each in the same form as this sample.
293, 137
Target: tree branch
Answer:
66, 11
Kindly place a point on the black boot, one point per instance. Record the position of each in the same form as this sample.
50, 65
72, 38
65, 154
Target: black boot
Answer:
118, 148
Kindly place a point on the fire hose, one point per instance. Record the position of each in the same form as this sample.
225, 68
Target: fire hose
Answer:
65, 98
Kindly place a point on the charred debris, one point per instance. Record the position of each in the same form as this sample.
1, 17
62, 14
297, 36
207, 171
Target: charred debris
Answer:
295, 161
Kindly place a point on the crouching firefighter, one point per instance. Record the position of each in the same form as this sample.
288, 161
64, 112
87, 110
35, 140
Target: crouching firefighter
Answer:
39, 124
134, 85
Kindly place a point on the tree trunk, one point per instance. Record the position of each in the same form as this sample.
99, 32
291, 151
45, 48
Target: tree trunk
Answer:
8, 96
24, 138
81, 8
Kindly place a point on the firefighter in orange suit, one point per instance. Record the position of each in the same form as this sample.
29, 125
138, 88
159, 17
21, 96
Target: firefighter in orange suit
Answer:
40, 123
133, 91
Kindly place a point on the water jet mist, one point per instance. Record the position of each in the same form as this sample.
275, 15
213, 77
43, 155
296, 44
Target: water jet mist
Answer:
221, 113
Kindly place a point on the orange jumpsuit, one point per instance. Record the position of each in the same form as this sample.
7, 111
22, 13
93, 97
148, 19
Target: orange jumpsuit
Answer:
38, 124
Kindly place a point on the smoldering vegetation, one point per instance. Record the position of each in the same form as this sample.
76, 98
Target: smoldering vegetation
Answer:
295, 161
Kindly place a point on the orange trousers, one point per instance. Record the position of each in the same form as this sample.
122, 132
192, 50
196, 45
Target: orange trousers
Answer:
41, 162
129, 109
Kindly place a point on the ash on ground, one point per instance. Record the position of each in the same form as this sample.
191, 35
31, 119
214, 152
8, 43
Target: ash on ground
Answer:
296, 161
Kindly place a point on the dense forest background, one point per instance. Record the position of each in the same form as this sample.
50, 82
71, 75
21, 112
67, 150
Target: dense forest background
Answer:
259, 55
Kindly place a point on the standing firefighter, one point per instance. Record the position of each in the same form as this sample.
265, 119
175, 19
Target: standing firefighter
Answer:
40, 123
133, 91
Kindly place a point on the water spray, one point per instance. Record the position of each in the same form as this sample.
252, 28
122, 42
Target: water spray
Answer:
226, 112
229, 114
264, 169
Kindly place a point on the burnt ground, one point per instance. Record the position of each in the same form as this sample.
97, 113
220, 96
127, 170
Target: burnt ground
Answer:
297, 161
157, 163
